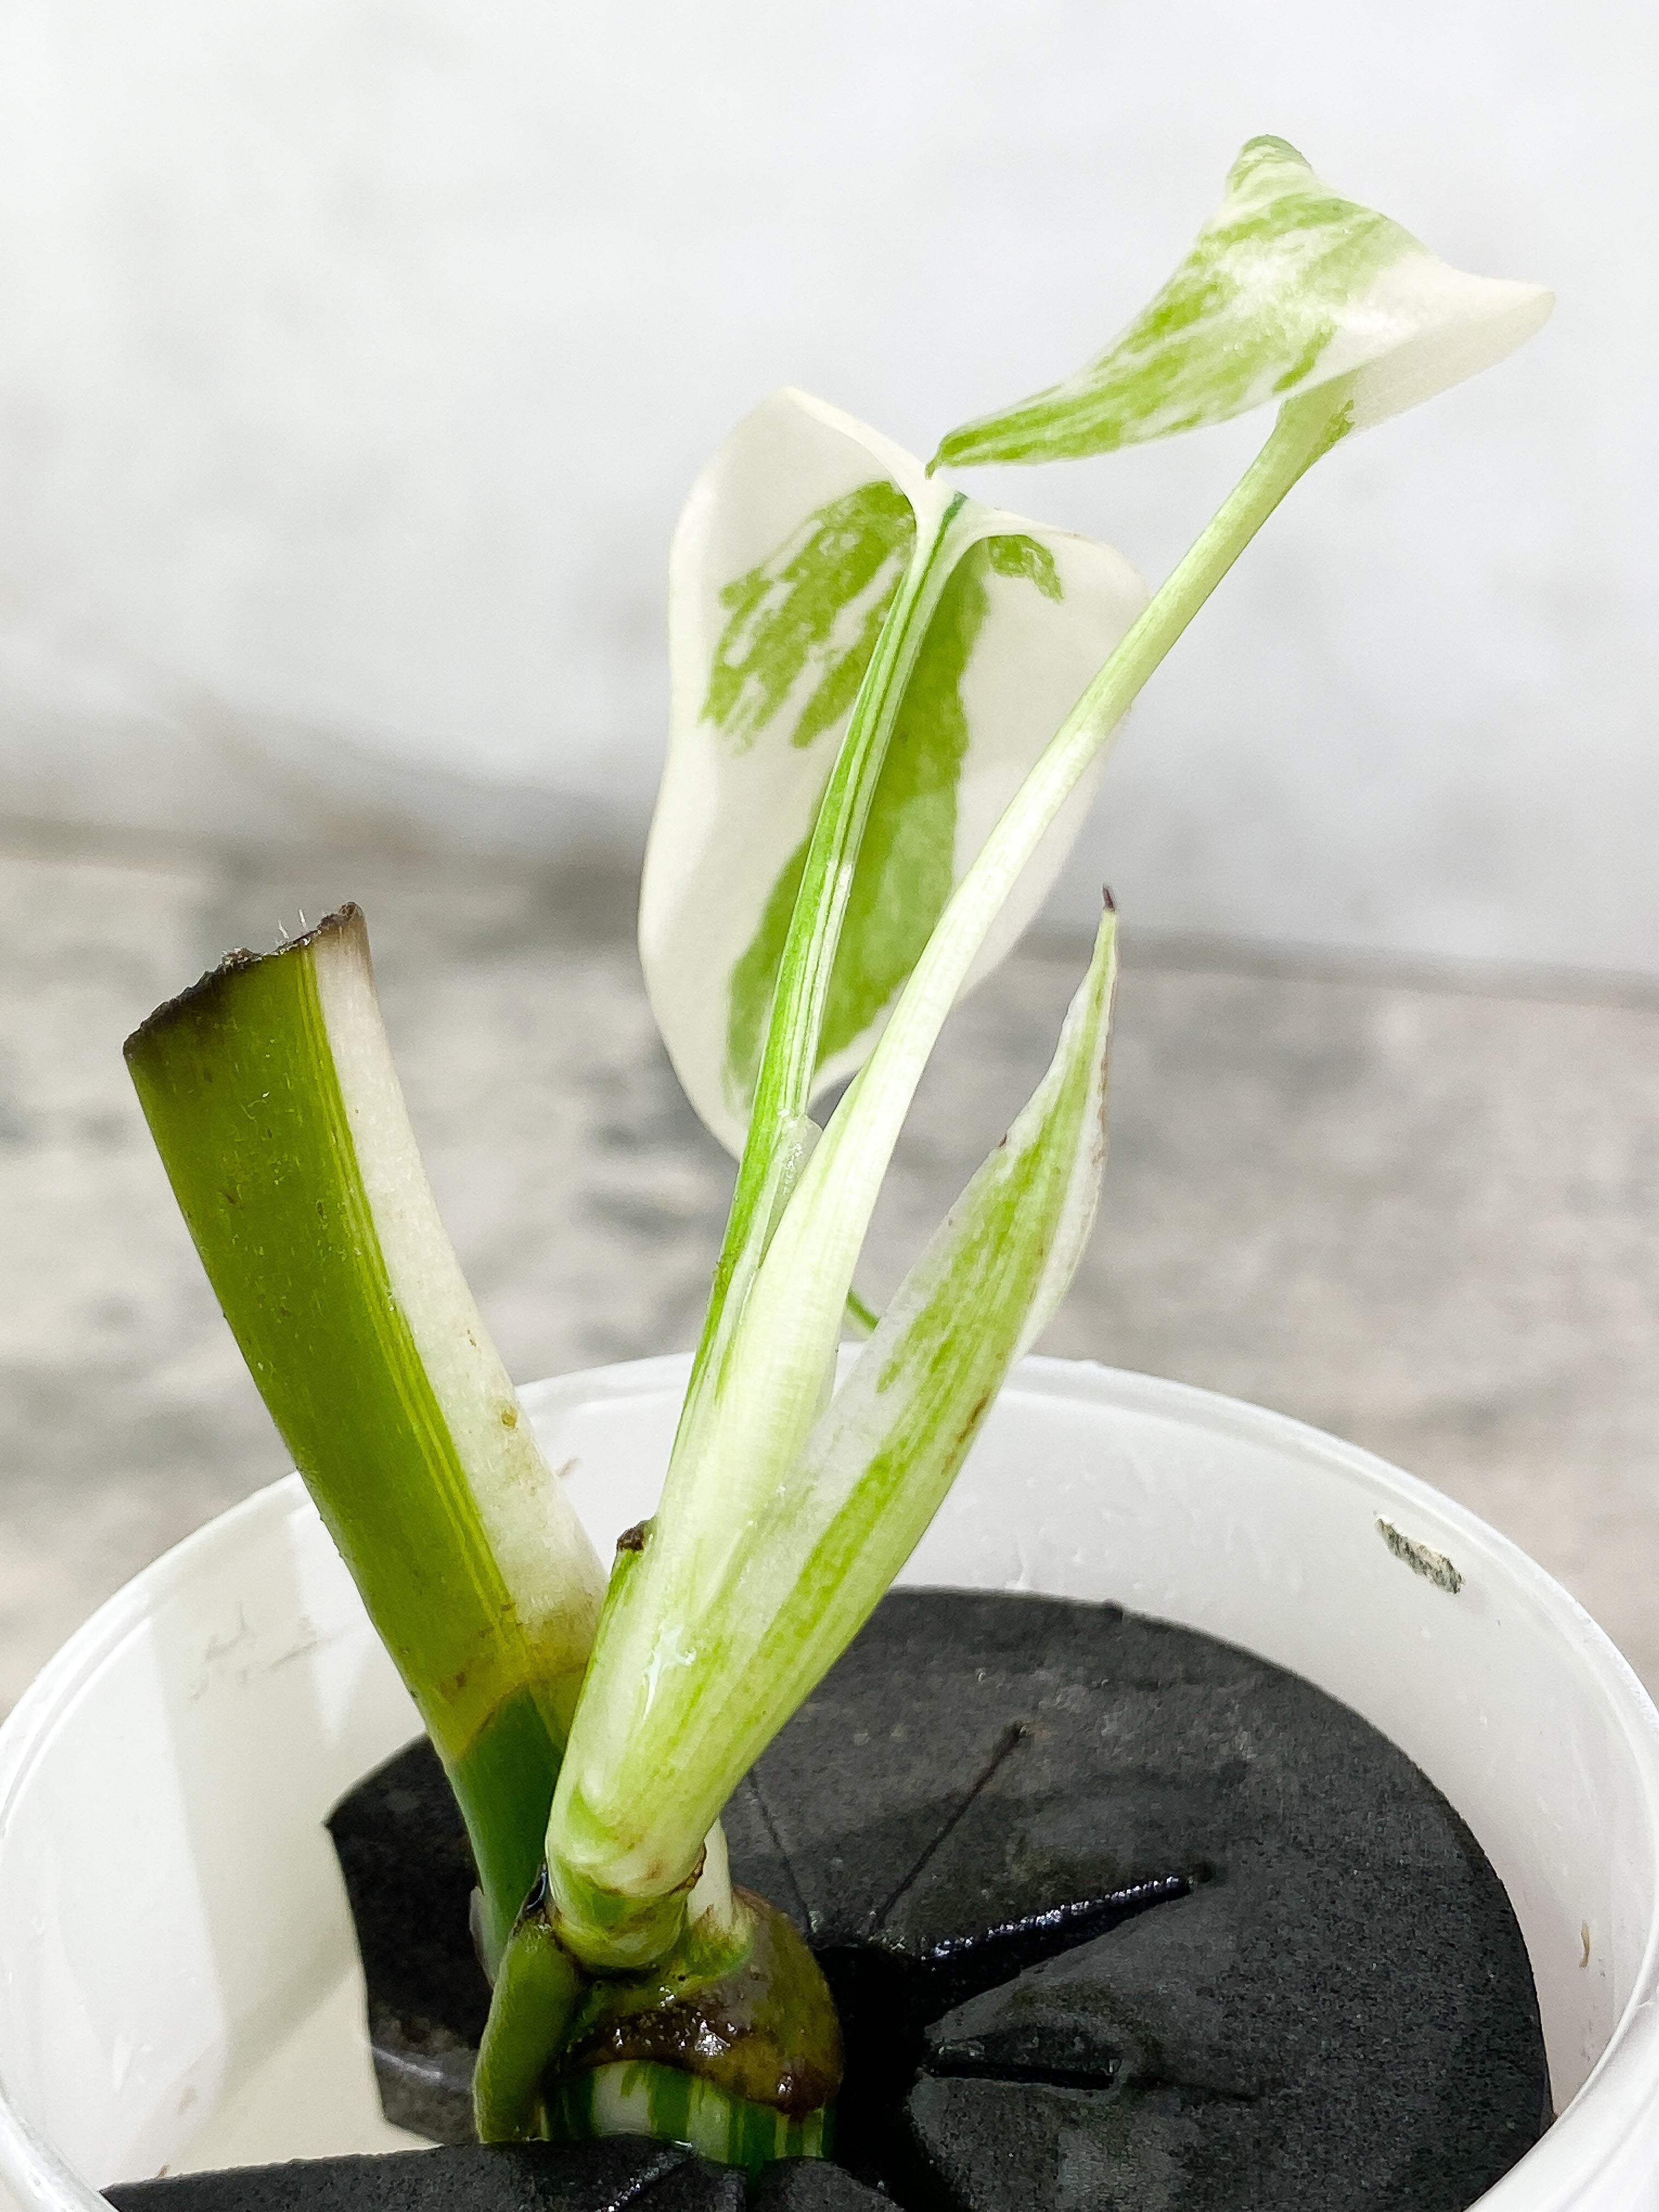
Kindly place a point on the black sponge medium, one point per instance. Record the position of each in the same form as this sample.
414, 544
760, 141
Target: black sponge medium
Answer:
601, 2176
1116, 1915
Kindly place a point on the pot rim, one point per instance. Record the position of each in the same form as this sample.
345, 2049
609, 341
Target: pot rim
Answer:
1590, 2135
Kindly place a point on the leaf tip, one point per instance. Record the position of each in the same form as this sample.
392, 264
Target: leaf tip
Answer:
1264, 151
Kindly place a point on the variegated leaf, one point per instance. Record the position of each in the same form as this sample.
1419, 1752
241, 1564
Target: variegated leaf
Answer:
760, 1568
1287, 287
789, 554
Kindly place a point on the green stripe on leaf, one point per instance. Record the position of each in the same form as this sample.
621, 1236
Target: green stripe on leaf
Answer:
813, 609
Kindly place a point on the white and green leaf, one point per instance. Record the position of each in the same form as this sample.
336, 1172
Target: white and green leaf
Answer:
1287, 287
760, 1569
797, 542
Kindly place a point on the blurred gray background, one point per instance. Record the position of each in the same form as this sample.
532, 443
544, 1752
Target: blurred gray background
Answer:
354, 360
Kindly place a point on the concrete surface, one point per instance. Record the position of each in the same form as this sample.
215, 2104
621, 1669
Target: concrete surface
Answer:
1423, 1214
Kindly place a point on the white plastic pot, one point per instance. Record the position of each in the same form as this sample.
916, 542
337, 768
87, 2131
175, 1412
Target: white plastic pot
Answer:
178, 1982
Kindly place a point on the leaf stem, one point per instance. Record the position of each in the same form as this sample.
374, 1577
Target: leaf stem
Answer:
777, 1142
790, 1054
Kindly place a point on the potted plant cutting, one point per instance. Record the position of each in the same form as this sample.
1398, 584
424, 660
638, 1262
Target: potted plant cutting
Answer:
889, 705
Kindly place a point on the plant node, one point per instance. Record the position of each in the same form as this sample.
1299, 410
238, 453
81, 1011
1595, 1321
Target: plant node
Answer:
730, 2042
